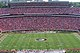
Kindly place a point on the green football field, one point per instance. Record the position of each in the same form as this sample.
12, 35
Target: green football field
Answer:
28, 41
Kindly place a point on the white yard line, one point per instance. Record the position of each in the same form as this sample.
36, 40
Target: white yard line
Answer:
3, 37
77, 35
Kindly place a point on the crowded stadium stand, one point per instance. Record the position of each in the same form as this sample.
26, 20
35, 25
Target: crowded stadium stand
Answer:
39, 10
40, 23
33, 51
40, 4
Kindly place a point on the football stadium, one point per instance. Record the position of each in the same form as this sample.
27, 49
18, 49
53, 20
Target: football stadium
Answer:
40, 27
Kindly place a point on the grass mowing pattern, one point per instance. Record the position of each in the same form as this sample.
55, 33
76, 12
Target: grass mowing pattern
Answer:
27, 41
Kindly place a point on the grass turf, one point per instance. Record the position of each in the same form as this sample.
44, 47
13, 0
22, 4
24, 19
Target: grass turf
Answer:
28, 41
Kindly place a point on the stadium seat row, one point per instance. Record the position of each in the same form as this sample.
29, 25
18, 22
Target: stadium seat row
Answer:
40, 10
40, 23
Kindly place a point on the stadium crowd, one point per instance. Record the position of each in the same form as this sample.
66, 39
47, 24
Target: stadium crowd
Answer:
39, 10
33, 51
39, 4
40, 23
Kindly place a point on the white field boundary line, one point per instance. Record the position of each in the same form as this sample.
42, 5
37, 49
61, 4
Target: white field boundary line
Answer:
2, 38
40, 32
77, 35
